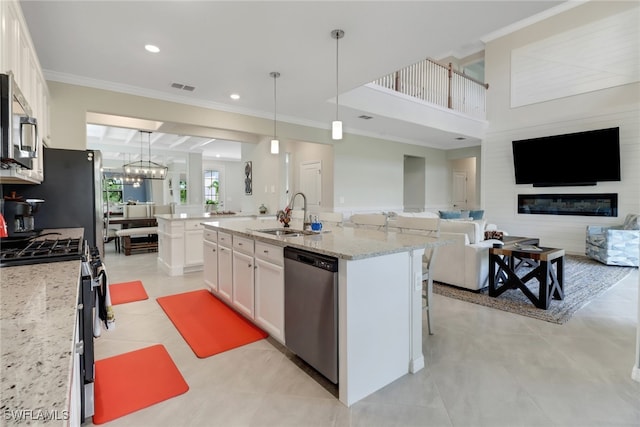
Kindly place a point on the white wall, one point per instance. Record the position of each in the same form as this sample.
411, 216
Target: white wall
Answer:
302, 152
616, 106
414, 184
369, 175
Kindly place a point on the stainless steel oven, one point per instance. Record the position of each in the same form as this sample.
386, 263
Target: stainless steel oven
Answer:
18, 126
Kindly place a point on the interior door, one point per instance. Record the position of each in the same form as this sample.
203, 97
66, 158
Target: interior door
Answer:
311, 183
460, 189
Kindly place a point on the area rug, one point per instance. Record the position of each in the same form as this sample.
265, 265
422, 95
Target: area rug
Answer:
132, 381
584, 280
207, 324
122, 293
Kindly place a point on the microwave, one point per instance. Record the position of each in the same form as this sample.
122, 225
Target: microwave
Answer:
18, 127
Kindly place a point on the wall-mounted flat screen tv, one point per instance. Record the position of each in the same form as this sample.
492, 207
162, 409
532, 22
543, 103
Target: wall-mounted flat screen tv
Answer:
581, 158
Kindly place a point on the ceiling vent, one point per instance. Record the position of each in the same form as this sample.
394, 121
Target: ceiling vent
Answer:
183, 87
365, 117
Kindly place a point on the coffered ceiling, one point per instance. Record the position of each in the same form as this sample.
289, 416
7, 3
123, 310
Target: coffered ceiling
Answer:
225, 47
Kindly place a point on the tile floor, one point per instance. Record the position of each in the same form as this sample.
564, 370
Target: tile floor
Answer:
484, 367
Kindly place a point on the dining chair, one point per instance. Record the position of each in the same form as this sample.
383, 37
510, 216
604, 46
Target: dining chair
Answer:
428, 227
333, 218
377, 221
161, 209
136, 211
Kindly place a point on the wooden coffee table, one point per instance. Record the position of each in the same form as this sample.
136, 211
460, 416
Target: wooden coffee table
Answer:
548, 269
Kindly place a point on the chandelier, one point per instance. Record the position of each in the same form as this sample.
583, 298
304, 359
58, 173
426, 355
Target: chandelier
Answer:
137, 171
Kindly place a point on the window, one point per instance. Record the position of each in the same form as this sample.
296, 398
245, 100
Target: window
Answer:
183, 191
211, 187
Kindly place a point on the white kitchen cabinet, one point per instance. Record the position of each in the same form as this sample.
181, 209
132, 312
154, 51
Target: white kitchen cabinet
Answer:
269, 289
243, 276
75, 401
225, 267
210, 254
18, 55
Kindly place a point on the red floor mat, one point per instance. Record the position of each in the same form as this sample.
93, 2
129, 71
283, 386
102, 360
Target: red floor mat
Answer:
122, 293
132, 381
207, 324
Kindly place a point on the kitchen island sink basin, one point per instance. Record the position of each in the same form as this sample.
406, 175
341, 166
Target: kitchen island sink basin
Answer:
285, 232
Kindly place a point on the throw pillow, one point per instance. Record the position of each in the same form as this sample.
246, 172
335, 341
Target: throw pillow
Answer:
465, 214
477, 214
450, 214
631, 222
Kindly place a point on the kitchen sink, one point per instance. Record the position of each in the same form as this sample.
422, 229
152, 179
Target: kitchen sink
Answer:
285, 232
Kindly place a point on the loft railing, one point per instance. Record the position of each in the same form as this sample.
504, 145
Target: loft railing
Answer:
440, 85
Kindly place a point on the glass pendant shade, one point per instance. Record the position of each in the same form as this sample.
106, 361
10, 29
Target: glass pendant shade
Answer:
275, 143
336, 129
336, 125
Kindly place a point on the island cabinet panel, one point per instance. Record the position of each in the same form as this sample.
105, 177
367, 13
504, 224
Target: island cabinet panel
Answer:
210, 253
243, 276
269, 290
225, 267
193, 234
171, 247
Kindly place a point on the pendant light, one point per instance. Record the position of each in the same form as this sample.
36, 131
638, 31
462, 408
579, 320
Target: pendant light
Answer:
275, 144
336, 125
137, 171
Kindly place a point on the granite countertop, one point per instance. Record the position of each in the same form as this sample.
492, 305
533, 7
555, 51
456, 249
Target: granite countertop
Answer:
210, 215
38, 319
341, 242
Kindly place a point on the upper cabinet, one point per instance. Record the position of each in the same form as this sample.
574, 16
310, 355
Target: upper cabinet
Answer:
18, 55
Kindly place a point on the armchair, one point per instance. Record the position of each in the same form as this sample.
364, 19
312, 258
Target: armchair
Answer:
615, 245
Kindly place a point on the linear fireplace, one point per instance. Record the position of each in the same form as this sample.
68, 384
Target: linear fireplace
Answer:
603, 204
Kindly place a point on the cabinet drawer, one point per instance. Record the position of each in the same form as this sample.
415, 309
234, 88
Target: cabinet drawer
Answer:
224, 239
210, 236
243, 244
270, 253
193, 225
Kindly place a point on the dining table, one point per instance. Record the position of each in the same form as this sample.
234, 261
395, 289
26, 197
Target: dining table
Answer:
133, 222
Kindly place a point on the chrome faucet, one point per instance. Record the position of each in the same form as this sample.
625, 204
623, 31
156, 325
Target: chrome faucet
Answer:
305, 221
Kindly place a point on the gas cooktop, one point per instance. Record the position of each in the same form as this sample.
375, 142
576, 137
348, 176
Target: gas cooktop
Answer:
40, 251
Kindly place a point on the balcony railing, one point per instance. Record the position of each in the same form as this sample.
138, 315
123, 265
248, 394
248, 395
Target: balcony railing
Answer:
441, 85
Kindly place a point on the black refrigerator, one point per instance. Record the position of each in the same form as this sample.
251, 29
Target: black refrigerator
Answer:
72, 193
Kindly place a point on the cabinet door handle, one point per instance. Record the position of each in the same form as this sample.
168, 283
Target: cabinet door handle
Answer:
239, 243
249, 265
266, 251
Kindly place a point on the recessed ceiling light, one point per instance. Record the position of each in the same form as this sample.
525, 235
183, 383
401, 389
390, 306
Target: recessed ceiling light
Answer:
217, 155
151, 48
235, 96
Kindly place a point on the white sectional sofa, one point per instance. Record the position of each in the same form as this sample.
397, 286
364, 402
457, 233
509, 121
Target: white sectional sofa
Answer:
465, 262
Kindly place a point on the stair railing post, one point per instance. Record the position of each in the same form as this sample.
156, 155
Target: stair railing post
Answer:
450, 82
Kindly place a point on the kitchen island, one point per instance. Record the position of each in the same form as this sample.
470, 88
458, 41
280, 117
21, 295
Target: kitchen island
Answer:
180, 240
379, 295
38, 318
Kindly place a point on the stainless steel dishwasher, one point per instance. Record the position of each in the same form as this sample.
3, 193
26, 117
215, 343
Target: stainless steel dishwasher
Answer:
311, 309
